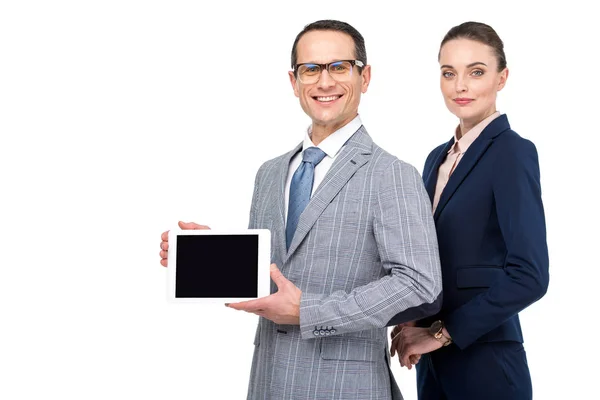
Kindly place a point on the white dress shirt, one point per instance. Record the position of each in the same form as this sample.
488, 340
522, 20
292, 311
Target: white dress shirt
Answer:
331, 146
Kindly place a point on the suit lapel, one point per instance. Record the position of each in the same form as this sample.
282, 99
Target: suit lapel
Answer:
354, 155
432, 177
279, 219
470, 159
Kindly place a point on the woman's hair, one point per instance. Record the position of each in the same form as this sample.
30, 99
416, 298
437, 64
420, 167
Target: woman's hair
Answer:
481, 33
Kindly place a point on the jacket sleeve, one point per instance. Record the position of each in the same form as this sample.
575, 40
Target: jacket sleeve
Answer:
517, 194
407, 243
252, 224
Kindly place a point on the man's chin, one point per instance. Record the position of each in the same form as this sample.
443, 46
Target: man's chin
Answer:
325, 119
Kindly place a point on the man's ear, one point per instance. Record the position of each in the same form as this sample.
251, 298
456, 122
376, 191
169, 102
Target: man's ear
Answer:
294, 83
366, 78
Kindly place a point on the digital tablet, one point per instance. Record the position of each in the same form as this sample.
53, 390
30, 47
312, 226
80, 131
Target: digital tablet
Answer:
208, 266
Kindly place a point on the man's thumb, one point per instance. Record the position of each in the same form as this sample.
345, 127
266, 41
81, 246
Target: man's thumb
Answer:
277, 276
191, 225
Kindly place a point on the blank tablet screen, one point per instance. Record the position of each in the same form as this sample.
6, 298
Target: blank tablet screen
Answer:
217, 266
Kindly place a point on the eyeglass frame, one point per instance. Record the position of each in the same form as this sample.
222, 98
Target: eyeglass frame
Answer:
354, 63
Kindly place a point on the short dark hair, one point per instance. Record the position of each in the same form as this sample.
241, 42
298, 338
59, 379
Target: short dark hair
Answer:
481, 33
360, 52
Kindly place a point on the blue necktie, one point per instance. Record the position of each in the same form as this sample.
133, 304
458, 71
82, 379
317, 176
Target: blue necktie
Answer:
301, 189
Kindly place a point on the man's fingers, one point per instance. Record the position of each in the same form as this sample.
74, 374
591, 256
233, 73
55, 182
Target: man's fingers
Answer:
396, 340
402, 345
164, 246
250, 306
242, 306
277, 276
397, 345
407, 352
405, 360
191, 225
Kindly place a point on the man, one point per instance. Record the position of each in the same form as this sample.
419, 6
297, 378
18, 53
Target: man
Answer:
359, 256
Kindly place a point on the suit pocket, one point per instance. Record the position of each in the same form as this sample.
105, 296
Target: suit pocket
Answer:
348, 348
513, 361
342, 211
477, 277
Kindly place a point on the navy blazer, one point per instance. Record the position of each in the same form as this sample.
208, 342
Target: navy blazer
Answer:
492, 235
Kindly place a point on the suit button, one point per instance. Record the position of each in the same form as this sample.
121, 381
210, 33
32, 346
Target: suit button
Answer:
327, 332
322, 332
333, 331
316, 332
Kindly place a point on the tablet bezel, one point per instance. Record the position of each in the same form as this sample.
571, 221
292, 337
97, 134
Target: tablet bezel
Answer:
264, 262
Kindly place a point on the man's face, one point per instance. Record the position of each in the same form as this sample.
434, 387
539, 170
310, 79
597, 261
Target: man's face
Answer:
330, 103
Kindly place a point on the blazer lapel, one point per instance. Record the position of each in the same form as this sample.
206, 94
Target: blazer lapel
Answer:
432, 178
279, 219
354, 155
470, 159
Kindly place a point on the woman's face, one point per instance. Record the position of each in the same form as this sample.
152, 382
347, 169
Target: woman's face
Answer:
470, 79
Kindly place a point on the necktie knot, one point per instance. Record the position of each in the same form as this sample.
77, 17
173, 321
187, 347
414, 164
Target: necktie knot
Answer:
313, 155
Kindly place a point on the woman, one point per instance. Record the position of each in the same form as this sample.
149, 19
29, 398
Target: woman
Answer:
484, 185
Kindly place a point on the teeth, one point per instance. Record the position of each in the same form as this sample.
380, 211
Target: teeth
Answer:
328, 98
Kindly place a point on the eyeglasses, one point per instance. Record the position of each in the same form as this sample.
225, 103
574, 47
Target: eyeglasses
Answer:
341, 71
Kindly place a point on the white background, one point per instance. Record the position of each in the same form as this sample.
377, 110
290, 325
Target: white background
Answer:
119, 118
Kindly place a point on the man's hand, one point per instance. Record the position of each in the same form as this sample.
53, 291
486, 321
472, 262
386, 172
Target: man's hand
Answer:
282, 307
414, 359
397, 330
164, 244
411, 341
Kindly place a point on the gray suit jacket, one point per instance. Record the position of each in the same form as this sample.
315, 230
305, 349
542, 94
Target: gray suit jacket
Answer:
365, 256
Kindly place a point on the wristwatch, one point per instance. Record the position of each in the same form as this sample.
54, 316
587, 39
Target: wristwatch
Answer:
437, 331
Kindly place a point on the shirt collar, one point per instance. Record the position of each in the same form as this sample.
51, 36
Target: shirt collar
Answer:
333, 143
461, 145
